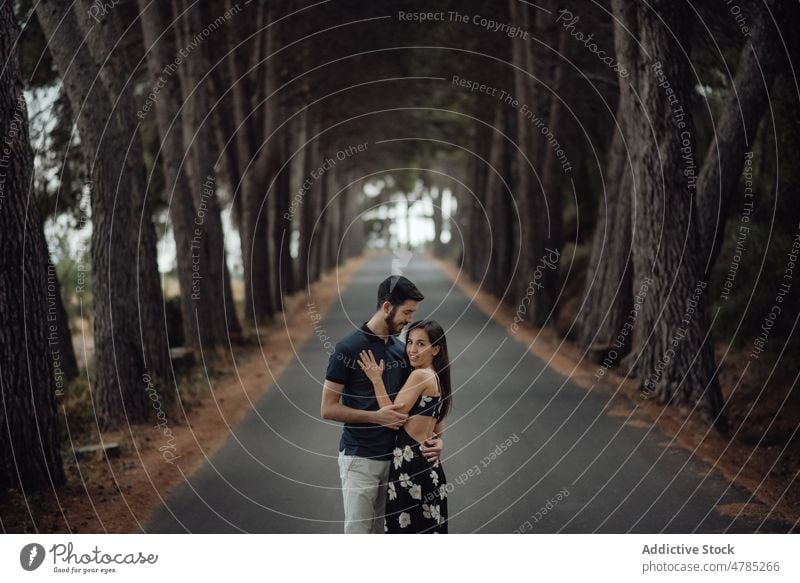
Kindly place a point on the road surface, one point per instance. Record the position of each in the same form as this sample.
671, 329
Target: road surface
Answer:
525, 450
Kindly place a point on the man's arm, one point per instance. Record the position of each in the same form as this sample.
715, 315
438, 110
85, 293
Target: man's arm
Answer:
333, 409
432, 448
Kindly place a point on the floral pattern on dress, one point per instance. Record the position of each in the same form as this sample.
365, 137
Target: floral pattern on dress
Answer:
432, 512
417, 490
400, 455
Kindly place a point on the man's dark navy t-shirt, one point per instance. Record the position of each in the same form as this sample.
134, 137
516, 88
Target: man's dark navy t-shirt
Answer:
366, 439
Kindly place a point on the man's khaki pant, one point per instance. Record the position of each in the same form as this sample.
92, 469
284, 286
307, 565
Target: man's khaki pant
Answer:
364, 493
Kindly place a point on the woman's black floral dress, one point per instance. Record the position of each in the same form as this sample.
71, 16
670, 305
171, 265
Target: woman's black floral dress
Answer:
417, 496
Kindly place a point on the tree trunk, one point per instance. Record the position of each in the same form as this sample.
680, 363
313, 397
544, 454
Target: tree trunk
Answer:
329, 220
63, 353
606, 329
436, 196
120, 369
209, 254
347, 225
308, 225
676, 361
326, 219
494, 195
475, 253
523, 155
315, 200
605, 326
735, 132
255, 253
549, 235
256, 229
461, 218
507, 238
300, 196
335, 206
102, 35
159, 45
239, 122
283, 229
275, 112
30, 457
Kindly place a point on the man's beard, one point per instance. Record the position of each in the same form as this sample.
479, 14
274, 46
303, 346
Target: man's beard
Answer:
391, 325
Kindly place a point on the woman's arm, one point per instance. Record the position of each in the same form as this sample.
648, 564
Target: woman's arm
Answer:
416, 383
374, 371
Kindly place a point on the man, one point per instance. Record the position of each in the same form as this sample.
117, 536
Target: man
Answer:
365, 449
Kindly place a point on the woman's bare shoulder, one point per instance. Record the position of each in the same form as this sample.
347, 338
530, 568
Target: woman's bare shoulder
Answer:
426, 378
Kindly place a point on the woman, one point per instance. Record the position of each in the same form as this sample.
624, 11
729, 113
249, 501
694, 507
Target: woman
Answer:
417, 491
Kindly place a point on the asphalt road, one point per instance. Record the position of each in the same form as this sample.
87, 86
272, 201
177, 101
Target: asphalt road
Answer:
567, 466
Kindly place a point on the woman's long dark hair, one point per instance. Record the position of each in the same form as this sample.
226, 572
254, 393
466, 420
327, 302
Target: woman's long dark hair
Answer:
441, 362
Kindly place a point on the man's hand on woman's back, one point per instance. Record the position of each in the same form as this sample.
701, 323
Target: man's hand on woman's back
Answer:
432, 449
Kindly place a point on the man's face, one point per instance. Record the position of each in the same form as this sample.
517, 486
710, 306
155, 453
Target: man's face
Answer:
400, 316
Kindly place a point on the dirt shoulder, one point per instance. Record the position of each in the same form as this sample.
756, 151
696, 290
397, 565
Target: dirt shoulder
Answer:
767, 468
118, 494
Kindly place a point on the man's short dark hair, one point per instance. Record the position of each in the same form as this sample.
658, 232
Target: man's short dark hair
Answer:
396, 289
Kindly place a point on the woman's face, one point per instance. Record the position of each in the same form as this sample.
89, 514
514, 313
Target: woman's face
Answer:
419, 349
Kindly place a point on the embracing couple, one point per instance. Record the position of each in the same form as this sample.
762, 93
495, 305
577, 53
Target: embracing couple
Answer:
392, 398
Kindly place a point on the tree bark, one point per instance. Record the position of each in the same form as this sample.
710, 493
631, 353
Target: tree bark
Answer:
325, 213
348, 224
102, 36
208, 250
735, 132
330, 219
608, 289
283, 231
64, 351
548, 233
507, 237
159, 46
314, 199
495, 196
352, 224
523, 180
305, 255
476, 251
256, 231
300, 206
30, 456
120, 369
435, 194
676, 362
243, 92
